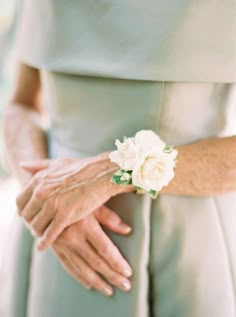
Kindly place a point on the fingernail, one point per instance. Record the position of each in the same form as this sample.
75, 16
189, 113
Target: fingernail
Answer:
126, 285
127, 272
108, 291
125, 227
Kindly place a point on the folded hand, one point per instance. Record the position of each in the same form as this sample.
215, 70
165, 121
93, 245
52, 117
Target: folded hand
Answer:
64, 191
89, 255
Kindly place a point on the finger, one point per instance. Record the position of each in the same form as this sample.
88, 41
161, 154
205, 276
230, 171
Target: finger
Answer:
98, 264
35, 166
111, 220
24, 196
84, 270
50, 235
42, 220
31, 209
72, 271
106, 248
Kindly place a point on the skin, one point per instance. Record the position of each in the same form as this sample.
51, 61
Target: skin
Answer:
26, 140
63, 192
51, 200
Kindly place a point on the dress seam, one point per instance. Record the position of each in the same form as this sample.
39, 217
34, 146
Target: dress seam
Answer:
158, 114
230, 266
157, 125
152, 291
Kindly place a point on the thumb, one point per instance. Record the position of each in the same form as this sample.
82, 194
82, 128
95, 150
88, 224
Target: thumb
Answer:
35, 166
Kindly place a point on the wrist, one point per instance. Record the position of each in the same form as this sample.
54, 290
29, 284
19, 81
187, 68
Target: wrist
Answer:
145, 162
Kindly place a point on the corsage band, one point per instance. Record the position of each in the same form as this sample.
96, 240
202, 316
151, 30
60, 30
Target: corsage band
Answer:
145, 162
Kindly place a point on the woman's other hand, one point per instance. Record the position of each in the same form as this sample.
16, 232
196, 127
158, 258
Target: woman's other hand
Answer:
64, 191
88, 254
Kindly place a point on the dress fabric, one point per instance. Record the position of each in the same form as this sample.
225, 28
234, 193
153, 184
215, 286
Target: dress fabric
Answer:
109, 69
167, 40
182, 248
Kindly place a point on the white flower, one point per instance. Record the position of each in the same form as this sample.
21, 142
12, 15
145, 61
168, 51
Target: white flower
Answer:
126, 155
153, 172
150, 160
125, 177
148, 141
174, 154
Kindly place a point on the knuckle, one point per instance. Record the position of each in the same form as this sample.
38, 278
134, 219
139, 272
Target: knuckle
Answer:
94, 280
97, 263
27, 218
94, 233
34, 226
112, 257
37, 178
39, 194
37, 233
83, 272
112, 277
49, 234
106, 250
37, 230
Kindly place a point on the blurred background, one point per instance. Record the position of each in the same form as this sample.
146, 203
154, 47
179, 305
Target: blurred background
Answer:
8, 186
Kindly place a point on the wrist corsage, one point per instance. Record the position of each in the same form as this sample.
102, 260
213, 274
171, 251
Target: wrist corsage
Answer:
145, 162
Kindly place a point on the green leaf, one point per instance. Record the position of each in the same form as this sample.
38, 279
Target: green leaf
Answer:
153, 193
124, 171
116, 179
140, 190
168, 149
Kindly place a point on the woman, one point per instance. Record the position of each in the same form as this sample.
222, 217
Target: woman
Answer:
103, 71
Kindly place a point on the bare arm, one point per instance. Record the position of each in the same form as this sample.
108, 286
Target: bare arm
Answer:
25, 140
24, 136
205, 167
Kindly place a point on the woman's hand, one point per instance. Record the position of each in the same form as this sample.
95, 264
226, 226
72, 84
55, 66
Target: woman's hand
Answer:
64, 191
86, 251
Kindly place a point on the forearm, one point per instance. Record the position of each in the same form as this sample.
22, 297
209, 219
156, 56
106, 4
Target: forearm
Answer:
24, 138
205, 167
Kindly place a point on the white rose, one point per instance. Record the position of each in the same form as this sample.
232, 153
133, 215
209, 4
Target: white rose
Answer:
147, 141
174, 154
126, 155
154, 171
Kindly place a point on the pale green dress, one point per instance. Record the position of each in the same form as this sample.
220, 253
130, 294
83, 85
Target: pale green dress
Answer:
102, 79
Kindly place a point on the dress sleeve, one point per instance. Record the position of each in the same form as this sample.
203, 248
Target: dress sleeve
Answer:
142, 40
33, 44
